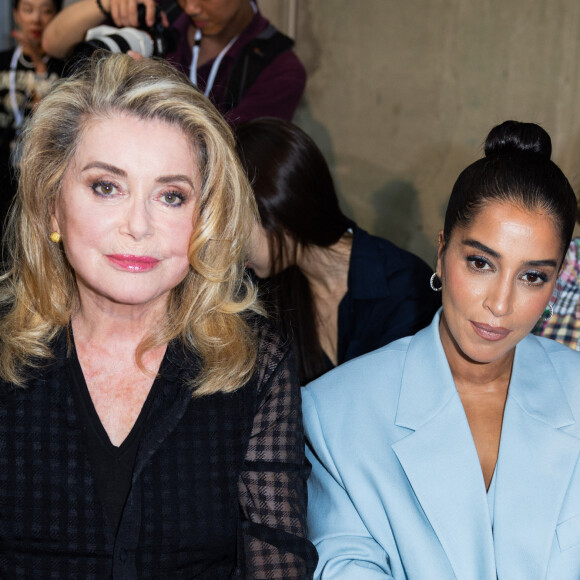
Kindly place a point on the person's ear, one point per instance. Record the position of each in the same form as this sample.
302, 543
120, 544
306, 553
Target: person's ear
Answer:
440, 252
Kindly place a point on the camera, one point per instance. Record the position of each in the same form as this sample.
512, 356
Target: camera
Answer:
148, 41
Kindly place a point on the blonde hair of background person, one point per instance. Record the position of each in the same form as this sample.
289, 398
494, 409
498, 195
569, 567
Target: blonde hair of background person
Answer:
207, 310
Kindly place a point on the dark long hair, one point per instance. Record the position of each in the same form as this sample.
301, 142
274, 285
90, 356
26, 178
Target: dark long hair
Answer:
516, 169
297, 200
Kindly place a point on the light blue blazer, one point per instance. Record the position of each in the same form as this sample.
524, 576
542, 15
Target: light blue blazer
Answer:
397, 490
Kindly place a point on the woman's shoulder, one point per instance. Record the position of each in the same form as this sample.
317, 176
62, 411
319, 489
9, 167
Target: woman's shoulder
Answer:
554, 359
373, 378
554, 350
41, 371
371, 247
273, 349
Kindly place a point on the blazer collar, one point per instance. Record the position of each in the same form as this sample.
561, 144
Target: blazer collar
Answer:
535, 385
535, 463
440, 459
427, 383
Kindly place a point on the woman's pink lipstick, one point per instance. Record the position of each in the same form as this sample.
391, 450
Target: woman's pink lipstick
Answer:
488, 332
133, 263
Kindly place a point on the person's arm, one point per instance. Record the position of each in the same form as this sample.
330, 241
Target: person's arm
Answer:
70, 26
272, 485
346, 549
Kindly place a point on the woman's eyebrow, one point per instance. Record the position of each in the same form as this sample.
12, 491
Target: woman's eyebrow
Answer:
482, 247
117, 171
106, 167
176, 177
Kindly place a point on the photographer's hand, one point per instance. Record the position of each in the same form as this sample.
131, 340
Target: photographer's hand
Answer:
70, 25
124, 12
135, 55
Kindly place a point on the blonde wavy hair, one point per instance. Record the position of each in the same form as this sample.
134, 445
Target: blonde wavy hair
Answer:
210, 310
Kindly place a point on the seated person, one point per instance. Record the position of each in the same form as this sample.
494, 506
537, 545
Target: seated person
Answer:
230, 51
564, 324
455, 453
335, 290
150, 419
26, 75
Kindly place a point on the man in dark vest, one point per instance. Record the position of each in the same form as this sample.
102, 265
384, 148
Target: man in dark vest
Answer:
228, 49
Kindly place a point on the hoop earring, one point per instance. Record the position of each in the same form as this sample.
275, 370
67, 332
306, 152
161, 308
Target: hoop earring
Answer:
548, 313
55, 237
435, 283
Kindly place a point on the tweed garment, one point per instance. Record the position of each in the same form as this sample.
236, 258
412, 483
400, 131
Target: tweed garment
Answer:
218, 488
564, 325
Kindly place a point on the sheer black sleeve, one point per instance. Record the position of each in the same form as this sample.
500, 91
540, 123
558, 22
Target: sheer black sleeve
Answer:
272, 485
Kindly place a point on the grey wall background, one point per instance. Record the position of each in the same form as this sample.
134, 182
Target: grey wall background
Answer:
5, 24
401, 95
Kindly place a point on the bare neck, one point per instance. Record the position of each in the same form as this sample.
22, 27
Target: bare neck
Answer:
326, 269
117, 328
472, 375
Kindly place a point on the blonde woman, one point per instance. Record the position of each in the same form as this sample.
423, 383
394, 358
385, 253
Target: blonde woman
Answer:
149, 418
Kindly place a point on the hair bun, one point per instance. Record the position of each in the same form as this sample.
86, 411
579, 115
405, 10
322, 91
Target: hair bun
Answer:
513, 136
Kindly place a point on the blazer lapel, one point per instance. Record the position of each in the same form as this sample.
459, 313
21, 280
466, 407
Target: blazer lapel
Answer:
440, 459
535, 464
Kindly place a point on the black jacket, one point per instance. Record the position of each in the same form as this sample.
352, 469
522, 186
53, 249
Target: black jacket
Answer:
388, 296
201, 501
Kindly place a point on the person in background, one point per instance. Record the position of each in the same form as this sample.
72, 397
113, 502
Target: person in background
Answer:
228, 49
335, 290
455, 453
26, 74
564, 324
150, 422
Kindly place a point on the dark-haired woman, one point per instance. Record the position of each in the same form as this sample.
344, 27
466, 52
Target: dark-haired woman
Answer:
454, 453
26, 74
337, 291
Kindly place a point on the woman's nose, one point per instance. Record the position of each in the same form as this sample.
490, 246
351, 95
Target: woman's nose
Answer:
499, 300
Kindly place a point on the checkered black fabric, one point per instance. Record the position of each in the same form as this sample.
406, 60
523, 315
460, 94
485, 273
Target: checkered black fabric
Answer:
218, 490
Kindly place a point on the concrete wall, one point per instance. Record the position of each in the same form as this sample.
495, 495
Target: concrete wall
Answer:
5, 24
401, 95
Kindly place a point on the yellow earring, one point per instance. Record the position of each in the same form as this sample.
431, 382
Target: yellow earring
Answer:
55, 237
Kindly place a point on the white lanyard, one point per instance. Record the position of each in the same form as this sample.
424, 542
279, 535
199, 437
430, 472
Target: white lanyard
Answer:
214, 67
18, 114
216, 63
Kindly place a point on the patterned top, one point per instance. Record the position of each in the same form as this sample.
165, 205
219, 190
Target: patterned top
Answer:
564, 325
218, 488
21, 88
28, 88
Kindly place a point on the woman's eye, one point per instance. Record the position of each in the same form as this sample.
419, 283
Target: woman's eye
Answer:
104, 188
535, 278
172, 198
479, 263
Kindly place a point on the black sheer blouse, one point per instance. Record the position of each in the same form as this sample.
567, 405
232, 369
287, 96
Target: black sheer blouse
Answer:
218, 488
